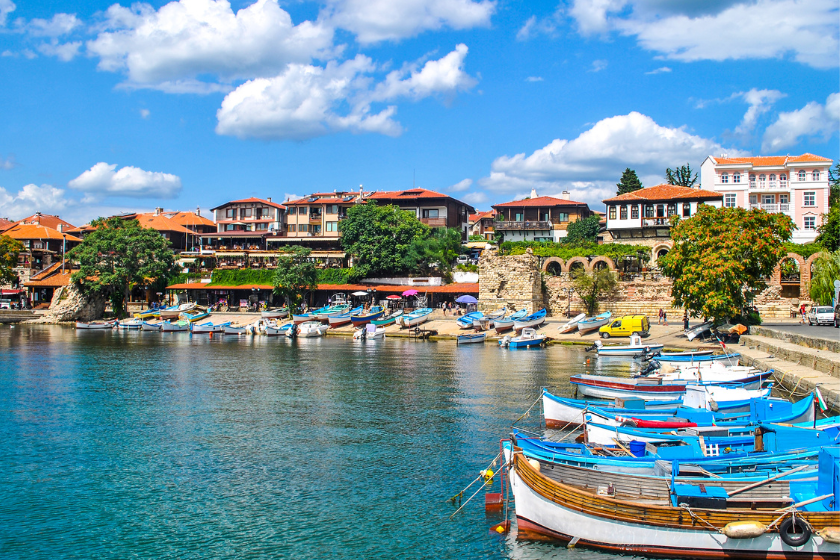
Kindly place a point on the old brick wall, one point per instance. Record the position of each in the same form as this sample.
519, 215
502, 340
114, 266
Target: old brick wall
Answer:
513, 282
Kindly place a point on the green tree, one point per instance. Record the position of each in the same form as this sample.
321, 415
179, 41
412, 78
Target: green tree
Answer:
439, 250
629, 182
295, 275
834, 184
680, 176
826, 271
118, 255
829, 230
721, 258
379, 236
584, 230
10, 249
591, 287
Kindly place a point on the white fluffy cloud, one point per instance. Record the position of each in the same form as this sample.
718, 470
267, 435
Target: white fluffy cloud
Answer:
31, 199
461, 185
8, 162
475, 198
814, 119
806, 30
382, 20
591, 164
760, 101
104, 180
63, 51
58, 25
308, 101
6, 7
185, 40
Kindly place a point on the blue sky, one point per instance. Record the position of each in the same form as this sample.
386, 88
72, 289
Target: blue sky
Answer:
115, 107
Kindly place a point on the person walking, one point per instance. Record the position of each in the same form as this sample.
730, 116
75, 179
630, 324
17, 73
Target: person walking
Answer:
664, 317
444, 308
685, 320
659, 321
802, 314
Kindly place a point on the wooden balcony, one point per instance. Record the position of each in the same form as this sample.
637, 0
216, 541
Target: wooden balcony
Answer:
434, 222
522, 226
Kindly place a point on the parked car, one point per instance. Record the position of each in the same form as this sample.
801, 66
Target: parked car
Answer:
462, 259
821, 315
626, 326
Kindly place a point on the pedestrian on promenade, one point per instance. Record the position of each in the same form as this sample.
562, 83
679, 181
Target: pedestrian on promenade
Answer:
685, 320
802, 313
665, 318
444, 308
659, 321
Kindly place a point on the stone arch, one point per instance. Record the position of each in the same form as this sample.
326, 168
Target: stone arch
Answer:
659, 250
554, 265
808, 271
792, 283
608, 262
577, 261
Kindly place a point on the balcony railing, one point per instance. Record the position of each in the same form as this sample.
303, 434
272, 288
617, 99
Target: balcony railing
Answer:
784, 207
434, 222
502, 226
652, 222
768, 185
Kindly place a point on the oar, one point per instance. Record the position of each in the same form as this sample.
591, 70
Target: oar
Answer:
767, 481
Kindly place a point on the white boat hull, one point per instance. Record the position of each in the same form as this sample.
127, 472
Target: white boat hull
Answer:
94, 326
586, 328
557, 414
519, 325
274, 313
150, 327
414, 321
228, 329
174, 328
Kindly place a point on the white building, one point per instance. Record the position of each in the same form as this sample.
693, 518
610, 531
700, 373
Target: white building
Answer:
794, 185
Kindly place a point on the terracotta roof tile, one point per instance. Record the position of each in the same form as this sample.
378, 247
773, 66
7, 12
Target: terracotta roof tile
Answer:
5, 224
250, 199
771, 161
31, 231
47, 220
665, 192
539, 201
55, 279
191, 219
411, 194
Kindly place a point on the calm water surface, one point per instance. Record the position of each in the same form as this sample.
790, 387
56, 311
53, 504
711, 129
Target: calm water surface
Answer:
148, 445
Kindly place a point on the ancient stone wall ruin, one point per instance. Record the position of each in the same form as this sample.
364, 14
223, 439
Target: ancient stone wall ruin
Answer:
513, 282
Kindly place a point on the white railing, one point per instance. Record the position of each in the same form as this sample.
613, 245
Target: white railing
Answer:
784, 207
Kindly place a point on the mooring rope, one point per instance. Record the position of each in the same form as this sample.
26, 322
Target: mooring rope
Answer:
524, 414
479, 477
698, 518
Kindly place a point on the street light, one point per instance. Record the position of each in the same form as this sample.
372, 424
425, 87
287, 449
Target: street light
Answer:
569, 291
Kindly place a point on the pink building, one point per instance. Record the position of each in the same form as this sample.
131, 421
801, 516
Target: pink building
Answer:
794, 185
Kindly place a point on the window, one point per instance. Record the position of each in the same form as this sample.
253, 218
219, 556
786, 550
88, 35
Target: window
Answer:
768, 199
612, 212
634, 212
230, 213
246, 212
729, 200
292, 227
816, 175
544, 217
762, 181
332, 226
783, 180
724, 177
229, 227
262, 226
303, 227
736, 177
783, 199
315, 229
810, 198
292, 210
518, 217
686, 209
431, 213
648, 210
753, 199
303, 210
752, 181
563, 216
772, 181
660, 210
623, 213
332, 209
810, 222
672, 209
801, 175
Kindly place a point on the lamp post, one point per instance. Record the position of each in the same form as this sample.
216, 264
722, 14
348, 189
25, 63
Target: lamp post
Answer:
569, 291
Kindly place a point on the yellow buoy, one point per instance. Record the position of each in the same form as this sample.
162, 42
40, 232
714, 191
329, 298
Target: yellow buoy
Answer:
830, 534
744, 529
488, 474
534, 463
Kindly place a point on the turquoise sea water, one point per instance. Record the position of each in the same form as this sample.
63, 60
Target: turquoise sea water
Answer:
148, 445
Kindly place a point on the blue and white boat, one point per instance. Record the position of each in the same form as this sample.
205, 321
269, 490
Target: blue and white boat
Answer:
586, 326
506, 323
208, 327
529, 337
416, 317
344, 318
147, 326
477, 338
466, 322
532, 321
361, 319
636, 348
695, 359
658, 388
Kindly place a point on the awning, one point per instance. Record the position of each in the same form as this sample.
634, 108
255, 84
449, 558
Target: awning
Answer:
230, 254
261, 256
187, 260
10, 292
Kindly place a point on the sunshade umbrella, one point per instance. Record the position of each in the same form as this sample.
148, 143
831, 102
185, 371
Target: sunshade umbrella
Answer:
466, 299
393, 297
360, 293
410, 293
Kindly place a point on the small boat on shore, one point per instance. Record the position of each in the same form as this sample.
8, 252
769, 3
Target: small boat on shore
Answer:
95, 325
477, 338
636, 348
532, 321
175, 311
208, 327
276, 313
130, 324
529, 337
466, 321
147, 326
390, 319
192, 317
416, 317
234, 328
311, 329
273, 329
572, 325
148, 314
361, 319
699, 330
586, 326
505, 324
344, 318
489, 320
176, 326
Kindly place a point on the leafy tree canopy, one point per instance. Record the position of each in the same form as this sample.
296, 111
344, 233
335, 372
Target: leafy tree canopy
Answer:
721, 257
439, 250
118, 255
378, 237
591, 287
10, 249
629, 182
834, 184
829, 230
826, 271
681, 176
616, 251
295, 275
584, 230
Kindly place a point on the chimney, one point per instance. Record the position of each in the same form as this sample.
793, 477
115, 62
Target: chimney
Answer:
198, 211
566, 195
269, 199
158, 211
60, 228
533, 193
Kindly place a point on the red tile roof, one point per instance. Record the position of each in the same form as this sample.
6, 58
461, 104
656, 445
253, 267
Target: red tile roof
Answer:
31, 231
665, 192
52, 281
190, 219
309, 200
251, 199
47, 220
160, 222
772, 161
5, 224
480, 215
411, 194
539, 201
446, 289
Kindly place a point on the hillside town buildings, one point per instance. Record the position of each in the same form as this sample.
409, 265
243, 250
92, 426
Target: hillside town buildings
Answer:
538, 218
